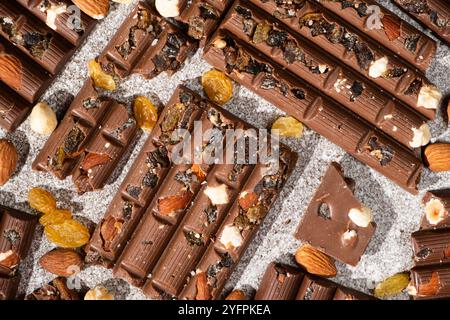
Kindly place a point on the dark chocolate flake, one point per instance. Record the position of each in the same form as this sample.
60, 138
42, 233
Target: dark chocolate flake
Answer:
134, 191
276, 38
424, 253
211, 214
298, 93
194, 238
150, 180
247, 14
73, 140
364, 55
395, 72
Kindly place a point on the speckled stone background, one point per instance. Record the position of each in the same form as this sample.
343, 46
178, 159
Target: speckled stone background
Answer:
396, 212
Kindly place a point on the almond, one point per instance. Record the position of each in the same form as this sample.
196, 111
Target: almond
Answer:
236, 295
171, 204
62, 262
97, 9
8, 160
431, 288
391, 27
9, 259
11, 70
315, 261
203, 290
247, 200
198, 171
94, 159
437, 156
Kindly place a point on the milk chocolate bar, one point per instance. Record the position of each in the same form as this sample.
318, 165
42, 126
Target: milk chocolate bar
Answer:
282, 282
16, 233
167, 235
330, 211
433, 14
244, 65
355, 49
327, 74
431, 246
90, 141
387, 28
437, 206
430, 282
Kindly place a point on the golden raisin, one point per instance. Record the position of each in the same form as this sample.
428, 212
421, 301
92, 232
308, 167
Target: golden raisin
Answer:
68, 234
56, 216
101, 78
288, 127
218, 87
41, 200
145, 113
392, 286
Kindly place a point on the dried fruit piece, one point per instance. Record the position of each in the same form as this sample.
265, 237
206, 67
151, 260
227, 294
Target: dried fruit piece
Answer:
56, 216
41, 200
101, 78
62, 262
262, 32
437, 156
288, 127
94, 159
8, 160
145, 113
99, 293
203, 290
391, 26
69, 234
315, 261
392, 286
218, 87
43, 119
171, 204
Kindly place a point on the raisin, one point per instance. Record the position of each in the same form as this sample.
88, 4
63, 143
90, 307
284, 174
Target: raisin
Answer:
101, 78
196, 27
356, 89
145, 113
55, 217
218, 87
247, 14
173, 116
73, 140
41, 200
424, 253
276, 38
69, 234
150, 180
298, 93
211, 214
414, 87
364, 55
349, 40
288, 127
194, 238
37, 43
261, 32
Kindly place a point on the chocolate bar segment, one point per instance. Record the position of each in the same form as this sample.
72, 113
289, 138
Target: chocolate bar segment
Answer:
360, 53
330, 211
434, 14
314, 288
333, 78
343, 293
13, 108
431, 246
8, 288
430, 282
301, 101
384, 26
61, 16
437, 206
279, 283
57, 289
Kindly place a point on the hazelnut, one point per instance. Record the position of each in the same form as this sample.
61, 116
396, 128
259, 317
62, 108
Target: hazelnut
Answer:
422, 136
362, 216
99, 293
435, 211
169, 8
231, 237
218, 195
219, 43
429, 97
349, 238
378, 67
43, 119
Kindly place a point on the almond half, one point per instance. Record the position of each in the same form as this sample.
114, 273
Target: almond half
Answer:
315, 261
437, 156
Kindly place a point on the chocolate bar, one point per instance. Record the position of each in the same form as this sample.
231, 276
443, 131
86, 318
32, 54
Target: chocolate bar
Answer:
61, 16
437, 206
16, 233
363, 55
282, 282
168, 234
33, 53
336, 212
57, 289
365, 143
328, 75
430, 282
384, 26
433, 14
431, 246
90, 141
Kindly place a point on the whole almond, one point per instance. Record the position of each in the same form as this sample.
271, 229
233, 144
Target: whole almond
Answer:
62, 262
97, 9
315, 261
437, 156
11, 70
8, 160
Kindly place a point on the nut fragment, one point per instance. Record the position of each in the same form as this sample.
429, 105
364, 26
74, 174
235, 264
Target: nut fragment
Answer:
53, 11
8, 160
378, 67
421, 136
437, 156
43, 119
96, 9
231, 237
392, 285
62, 262
362, 216
349, 238
247, 199
9, 259
435, 211
315, 261
391, 26
218, 195
203, 291
236, 295
99, 293
430, 288
169, 8
429, 97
